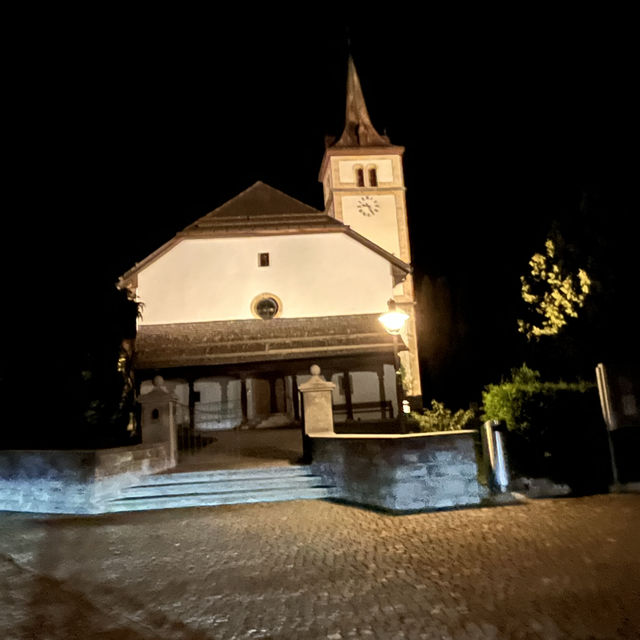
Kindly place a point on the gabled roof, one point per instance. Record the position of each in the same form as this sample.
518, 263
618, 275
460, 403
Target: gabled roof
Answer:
259, 208
259, 199
263, 210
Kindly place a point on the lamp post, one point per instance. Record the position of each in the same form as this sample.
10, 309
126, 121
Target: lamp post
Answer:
393, 321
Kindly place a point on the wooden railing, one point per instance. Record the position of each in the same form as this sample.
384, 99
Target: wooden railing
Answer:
191, 441
385, 407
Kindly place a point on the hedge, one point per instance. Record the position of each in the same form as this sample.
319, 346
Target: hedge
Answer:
554, 429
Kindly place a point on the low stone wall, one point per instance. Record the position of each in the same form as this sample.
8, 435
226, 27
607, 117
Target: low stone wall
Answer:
74, 481
396, 472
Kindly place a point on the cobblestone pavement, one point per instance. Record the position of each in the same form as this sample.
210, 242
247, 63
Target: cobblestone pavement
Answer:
564, 568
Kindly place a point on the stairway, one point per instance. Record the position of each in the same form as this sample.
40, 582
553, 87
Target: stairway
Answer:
211, 488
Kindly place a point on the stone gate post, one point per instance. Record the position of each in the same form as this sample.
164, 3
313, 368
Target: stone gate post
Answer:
159, 417
318, 409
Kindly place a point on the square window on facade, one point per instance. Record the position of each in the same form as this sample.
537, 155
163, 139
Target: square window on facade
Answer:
263, 259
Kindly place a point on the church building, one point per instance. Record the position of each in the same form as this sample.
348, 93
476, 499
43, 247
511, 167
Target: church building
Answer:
239, 304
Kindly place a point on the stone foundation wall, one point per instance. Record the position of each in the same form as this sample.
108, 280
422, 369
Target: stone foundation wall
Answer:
400, 472
74, 481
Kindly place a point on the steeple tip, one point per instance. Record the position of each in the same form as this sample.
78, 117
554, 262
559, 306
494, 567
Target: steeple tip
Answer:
358, 129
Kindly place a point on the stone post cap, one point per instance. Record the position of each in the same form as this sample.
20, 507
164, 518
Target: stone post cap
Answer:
158, 381
316, 382
159, 394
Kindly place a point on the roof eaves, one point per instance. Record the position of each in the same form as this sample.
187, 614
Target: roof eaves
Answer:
379, 250
152, 257
243, 233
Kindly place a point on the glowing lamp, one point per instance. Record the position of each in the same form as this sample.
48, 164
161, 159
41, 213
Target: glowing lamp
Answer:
394, 319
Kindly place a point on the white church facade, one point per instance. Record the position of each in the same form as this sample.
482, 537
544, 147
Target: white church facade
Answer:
239, 305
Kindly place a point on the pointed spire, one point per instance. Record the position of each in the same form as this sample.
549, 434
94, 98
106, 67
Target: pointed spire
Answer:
358, 130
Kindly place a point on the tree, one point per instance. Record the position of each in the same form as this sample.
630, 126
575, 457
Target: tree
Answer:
552, 291
106, 395
67, 383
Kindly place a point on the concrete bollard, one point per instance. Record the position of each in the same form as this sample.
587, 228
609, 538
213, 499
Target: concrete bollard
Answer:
494, 456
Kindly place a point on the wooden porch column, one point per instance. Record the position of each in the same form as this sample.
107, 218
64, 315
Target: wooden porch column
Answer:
346, 383
224, 399
244, 403
224, 391
383, 410
294, 397
192, 405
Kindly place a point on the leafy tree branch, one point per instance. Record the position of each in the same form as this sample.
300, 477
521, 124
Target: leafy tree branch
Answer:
553, 293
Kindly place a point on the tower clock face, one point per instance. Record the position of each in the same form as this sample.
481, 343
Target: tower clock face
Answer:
368, 206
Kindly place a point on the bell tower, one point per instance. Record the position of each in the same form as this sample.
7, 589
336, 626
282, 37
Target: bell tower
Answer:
363, 184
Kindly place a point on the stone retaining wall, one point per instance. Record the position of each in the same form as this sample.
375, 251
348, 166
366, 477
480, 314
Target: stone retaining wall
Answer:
74, 481
400, 472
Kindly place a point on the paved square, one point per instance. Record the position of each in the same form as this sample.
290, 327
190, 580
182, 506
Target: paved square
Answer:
564, 568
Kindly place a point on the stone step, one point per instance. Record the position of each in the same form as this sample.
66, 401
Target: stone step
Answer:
220, 485
211, 488
228, 474
249, 495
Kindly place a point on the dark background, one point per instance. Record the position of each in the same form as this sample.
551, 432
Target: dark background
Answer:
122, 128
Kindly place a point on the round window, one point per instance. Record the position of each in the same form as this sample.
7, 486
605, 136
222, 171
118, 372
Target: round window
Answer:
266, 306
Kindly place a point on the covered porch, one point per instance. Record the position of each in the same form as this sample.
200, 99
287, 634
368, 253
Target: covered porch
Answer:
233, 379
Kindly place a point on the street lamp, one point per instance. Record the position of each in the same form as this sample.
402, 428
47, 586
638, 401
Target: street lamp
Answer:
393, 321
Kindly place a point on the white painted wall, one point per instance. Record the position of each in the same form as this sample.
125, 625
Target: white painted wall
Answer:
321, 274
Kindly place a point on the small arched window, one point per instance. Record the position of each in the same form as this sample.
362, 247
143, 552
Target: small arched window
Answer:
360, 176
155, 414
373, 177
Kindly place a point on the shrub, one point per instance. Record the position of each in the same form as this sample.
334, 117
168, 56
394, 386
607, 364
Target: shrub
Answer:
439, 418
555, 429
526, 402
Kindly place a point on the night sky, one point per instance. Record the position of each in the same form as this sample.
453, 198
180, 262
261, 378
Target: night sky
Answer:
125, 128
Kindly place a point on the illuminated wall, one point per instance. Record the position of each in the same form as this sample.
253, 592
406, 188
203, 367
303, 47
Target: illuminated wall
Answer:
386, 224
381, 228
320, 274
